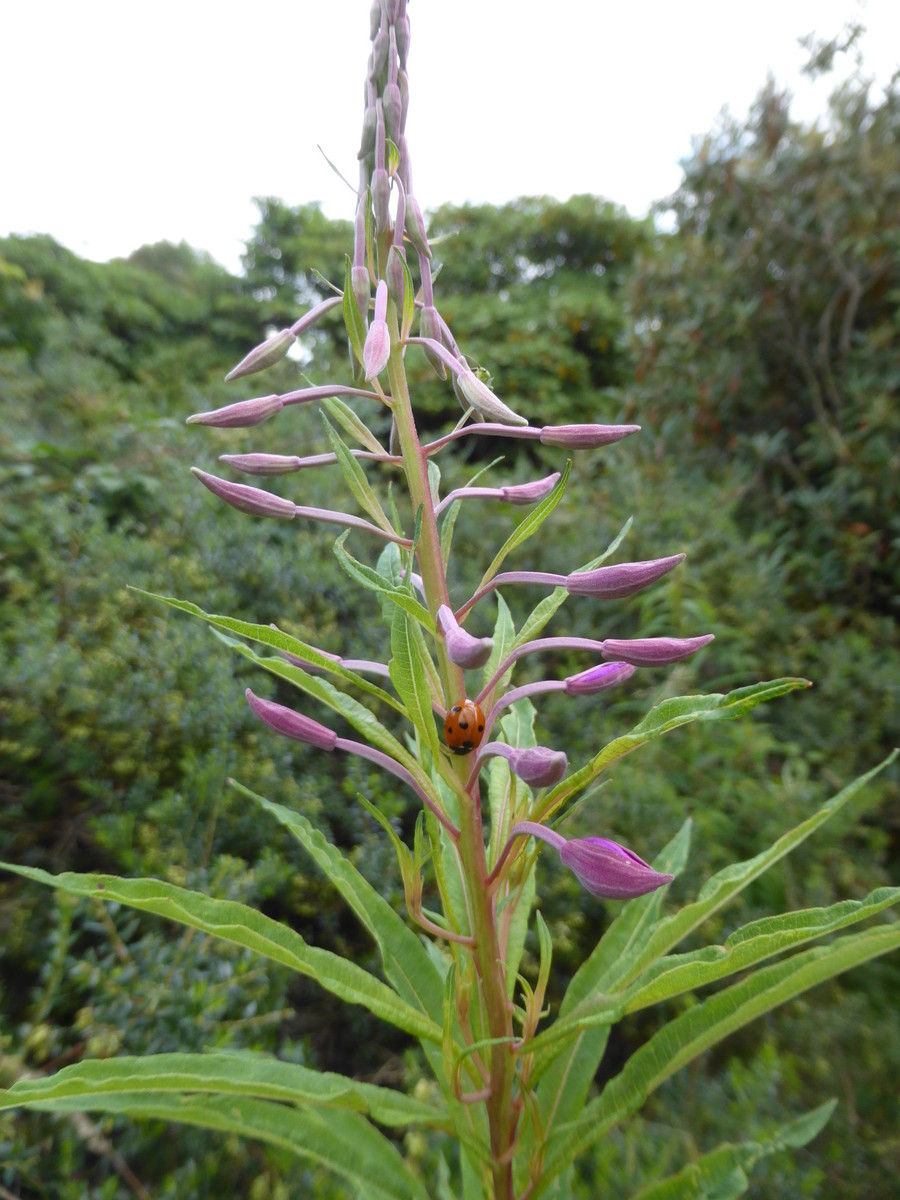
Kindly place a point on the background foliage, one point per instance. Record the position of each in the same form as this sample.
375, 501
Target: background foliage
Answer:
755, 343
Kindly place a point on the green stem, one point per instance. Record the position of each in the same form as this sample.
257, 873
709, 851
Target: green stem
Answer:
501, 1107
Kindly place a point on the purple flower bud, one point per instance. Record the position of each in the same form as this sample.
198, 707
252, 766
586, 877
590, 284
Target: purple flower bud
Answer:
393, 108
291, 724
430, 327
625, 579
483, 400
262, 464
242, 414
367, 141
248, 499
374, 19
653, 652
598, 679
379, 56
381, 199
402, 28
377, 349
538, 766
359, 282
529, 493
462, 648
396, 279
272, 350
585, 437
611, 871
415, 228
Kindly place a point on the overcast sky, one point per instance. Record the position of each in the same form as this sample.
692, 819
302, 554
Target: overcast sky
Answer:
129, 123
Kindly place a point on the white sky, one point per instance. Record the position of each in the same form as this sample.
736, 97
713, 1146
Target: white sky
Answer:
126, 123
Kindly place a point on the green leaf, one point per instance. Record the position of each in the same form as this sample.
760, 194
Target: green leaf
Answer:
504, 638
403, 957
400, 596
747, 946
664, 717
351, 423
244, 926
277, 639
356, 480
235, 1073
718, 890
529, 525
720, 1174
409, 678
375, 1168
355, 325
408, 314
689, 1035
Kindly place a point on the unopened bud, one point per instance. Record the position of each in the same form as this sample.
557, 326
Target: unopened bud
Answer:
463, 649
381, 199
430, 327
653, 652
624, 579
291, 724
585, 437
598, 679
529, 493
538, 766
359, 281
240, 415
483, 400
393, 108
272, 350
250, 500
415, 226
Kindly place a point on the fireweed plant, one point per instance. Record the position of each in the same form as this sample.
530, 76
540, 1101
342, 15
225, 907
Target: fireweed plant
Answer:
508, 1108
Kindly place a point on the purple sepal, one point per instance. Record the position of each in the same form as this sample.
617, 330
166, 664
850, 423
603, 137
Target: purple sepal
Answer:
291, 724
623, 579
653, 652
528, 493
482, 399
272, 350
462, 648
598, 679
244, 413
585, 437
538, 766
606, 869
254, 501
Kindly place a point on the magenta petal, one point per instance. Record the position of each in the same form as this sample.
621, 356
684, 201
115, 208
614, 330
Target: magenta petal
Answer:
606, 869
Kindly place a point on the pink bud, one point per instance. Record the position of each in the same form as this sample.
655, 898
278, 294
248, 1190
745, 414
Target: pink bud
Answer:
262, 464
242, 414
598, 679
624, 579
585, 437
462, 648
272, 350
483, 400
538, 766
377, 349
653, 652
606, 869
247, 499
291, 724
529, 493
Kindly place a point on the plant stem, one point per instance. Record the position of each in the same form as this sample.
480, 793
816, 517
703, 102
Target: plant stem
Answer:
501, 1107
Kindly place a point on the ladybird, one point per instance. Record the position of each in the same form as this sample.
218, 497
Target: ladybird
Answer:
464, 727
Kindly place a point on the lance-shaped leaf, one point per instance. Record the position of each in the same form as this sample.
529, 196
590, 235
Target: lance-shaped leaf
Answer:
375, 1169
409, 676
356, 479
277, 639
721, 1174
244, 926
680, 1041
404, 959
351, 423
400, 596
670, 714
234, 1073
